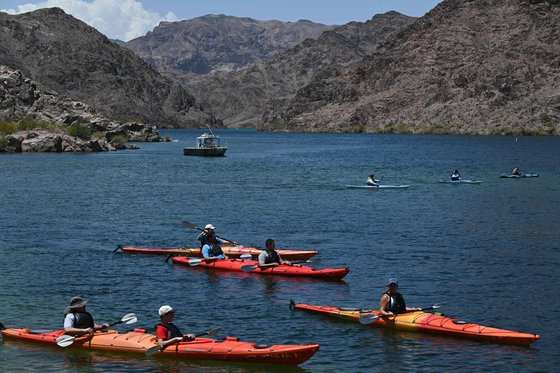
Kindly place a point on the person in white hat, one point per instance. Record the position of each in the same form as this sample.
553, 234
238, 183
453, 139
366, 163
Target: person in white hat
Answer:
166, 332
392, 302
209, 231
77, 321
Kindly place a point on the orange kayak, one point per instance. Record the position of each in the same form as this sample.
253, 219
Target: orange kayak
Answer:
426, 322
236, 265
137, 342
232, 251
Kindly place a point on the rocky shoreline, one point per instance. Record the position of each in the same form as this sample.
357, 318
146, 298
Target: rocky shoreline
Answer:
20, 98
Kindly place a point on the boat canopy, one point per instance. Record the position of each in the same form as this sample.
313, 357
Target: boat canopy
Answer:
207, 141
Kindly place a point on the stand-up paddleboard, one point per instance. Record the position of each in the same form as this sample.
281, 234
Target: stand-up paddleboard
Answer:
462, 181
510, 176
385, 186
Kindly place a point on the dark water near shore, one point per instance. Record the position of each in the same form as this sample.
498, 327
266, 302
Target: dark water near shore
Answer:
491, 252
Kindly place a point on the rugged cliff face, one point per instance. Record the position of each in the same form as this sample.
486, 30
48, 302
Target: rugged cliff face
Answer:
471, 67
241, 97
68, 57
185, 50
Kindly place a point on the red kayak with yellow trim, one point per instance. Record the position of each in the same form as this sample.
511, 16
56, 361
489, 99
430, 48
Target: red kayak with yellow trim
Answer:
138, 342
231, 251
236, 265
426, 322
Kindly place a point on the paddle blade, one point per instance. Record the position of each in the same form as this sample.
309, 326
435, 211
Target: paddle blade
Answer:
245, 256
249, 268
213, 331
194, 262
65, 340
368, 318
129, 318
153, 350
189, 225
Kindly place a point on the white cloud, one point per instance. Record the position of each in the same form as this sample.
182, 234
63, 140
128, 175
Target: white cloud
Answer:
123, 19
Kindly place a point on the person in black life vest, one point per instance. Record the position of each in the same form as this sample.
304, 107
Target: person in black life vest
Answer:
212, 250
392, 302
209, 230
166, 332
269, 257
516, 171
455, 175
77, 321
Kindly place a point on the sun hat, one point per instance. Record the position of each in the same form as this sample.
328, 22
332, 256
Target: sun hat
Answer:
163, 310
209, 226
75, 303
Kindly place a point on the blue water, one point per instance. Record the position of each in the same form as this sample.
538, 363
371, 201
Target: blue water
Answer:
489, 252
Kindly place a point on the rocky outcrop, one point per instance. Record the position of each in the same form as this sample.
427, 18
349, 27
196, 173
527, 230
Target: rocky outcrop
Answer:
466, 67
67, 57
240, 98
185, 50
49, 141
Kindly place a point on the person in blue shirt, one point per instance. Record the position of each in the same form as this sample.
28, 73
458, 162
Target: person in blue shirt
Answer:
211, 249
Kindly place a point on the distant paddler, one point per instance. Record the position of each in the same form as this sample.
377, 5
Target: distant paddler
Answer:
372, 181
456, 176
516, 171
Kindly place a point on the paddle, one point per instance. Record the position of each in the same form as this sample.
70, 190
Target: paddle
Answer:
196, 261
188, 224
153, 350
67, 340
369, 318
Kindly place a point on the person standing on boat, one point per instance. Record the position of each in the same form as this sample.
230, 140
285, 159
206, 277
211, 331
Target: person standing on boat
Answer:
77, 321
166, 332
372, 181
269, 257
212, 250
392, 302
455, 176
516, 171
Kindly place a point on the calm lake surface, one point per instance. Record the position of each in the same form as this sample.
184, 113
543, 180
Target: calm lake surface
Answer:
489, 252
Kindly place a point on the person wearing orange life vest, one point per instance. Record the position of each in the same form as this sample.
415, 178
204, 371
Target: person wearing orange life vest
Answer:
166, 332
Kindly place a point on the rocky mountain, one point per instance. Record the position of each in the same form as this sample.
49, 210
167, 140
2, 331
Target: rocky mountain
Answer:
241, 97
20, 99
72, 59
184, 50
469, 67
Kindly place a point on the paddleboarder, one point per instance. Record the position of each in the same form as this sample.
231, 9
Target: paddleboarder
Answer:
372, 181
516, 171
392, 302
77, 321
455, 176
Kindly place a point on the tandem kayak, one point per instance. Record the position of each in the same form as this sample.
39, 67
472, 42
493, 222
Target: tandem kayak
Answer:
384, 186
510, 176
251, 266
426, 322
138, 342
462, 181
233, 251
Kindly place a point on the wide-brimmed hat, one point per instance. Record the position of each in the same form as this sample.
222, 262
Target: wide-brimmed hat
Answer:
209, 226
75, 303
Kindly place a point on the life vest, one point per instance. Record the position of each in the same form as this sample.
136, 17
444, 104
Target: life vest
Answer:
455, 177
215, 249
396, 303
171, 329
272, 257
82, 320
203, 238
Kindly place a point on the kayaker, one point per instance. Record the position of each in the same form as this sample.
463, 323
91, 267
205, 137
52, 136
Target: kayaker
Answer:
212, 250
372, 181
166, 332
269, 257
516, 171
455, 176
209, 230
392, 302
77, 321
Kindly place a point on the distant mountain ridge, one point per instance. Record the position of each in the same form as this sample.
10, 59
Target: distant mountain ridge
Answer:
466, 67
184, 50
241, 97
64, 55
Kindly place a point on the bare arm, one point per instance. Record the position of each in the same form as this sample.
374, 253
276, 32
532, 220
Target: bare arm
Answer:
383, 304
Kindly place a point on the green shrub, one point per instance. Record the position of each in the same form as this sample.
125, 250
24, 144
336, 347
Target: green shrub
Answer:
79, 130
119, 141
167, 138
7, 128
3, 144
30, 123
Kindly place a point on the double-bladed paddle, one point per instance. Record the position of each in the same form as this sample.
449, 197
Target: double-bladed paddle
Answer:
153, 350
67, 340
196, 261
370, 318
188, 224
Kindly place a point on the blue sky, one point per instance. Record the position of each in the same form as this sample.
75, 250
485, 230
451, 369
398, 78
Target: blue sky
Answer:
127, 19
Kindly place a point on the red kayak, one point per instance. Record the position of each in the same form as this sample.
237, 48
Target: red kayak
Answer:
231, 251
251, 266
138, 342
